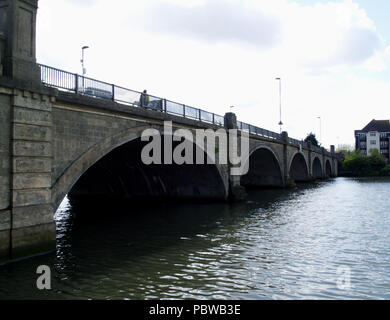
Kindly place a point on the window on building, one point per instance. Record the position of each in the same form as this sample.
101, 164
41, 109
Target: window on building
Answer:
372, 134
373, 142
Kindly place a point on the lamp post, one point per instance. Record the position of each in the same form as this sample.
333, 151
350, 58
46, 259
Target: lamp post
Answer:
280, 103
84, 71
320, 130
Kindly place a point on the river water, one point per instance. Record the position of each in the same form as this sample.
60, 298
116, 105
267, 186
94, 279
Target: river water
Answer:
328, 240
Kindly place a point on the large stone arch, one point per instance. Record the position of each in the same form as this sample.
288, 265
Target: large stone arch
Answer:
317, 169
265, 168
298, 168
79, 166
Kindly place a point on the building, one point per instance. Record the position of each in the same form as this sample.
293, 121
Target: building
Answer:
375, 135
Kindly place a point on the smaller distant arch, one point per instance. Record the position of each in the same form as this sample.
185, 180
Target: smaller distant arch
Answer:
299, 171
317, 171
264, 169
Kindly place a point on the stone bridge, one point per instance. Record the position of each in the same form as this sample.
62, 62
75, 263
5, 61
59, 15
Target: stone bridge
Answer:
59, 141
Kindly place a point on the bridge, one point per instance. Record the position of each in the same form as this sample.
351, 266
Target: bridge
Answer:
62, 133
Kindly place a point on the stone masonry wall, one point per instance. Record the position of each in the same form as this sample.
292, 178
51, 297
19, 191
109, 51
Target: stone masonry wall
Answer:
5, 195
32, 223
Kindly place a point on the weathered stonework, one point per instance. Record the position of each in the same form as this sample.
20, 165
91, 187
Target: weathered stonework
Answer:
25, 173
18, 26
31, 176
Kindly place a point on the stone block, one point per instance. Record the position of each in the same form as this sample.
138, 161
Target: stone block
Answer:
31, 132
33, 240
4, 245
29, 116
22, 198
5, 220
25, 164
25, 101
4, 192
32, 215
32, 149
31, 181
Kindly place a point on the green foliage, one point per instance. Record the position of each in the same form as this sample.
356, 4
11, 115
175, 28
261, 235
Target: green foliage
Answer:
385, 172
361, 165
311, 137
344, 152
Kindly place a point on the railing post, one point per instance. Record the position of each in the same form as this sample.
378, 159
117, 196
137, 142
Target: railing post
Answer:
165, 105
213, 118
184, 110
200, 115
113, 92
76, 84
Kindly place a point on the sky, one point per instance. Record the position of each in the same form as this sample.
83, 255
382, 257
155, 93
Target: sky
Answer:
333, 57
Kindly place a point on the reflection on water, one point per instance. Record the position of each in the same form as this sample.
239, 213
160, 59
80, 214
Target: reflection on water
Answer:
280, 244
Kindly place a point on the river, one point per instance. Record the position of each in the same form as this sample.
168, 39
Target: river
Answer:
327, 240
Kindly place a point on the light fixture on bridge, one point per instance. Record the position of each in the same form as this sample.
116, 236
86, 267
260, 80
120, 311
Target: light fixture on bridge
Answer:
320, 130
82, 59
280, 103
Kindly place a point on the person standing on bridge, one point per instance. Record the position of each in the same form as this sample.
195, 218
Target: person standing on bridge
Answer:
144, 99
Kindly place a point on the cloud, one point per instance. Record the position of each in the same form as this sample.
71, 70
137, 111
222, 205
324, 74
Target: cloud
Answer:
380, 61
359, 45
331, 35
320, 37
83, 3
216, 21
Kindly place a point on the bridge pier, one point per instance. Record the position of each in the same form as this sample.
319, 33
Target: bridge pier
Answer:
286, 174
236, 190
26, 213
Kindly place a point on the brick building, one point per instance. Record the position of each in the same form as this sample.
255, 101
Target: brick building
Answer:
375, 135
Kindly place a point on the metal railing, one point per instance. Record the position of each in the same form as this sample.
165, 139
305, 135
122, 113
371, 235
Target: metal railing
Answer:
258, 131
72, 82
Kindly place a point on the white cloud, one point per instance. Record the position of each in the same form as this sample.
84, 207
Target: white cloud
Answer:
329, 35
213, 22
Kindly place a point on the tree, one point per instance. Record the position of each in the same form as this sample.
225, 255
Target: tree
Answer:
311, 137
361, 165
377, 160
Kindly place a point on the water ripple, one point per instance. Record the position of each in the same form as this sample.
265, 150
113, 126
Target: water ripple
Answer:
324, 241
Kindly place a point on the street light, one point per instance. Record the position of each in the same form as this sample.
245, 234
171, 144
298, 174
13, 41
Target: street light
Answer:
320, 130
84, 71
280, 103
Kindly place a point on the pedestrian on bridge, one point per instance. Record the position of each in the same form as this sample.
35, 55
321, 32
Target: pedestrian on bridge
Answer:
144, 99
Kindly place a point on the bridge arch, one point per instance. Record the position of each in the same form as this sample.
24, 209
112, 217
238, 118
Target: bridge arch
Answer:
264, 168
298, 168
79, 167
317, 171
